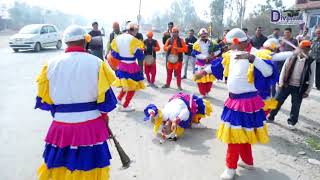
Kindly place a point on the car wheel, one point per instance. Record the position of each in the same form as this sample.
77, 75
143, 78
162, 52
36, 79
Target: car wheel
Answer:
59, 45
16, 50
37, 47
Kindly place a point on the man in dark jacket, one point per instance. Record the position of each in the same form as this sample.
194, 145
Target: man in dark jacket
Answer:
296, 79
258, 40
96, 44
315, 53
190, 40
167, 34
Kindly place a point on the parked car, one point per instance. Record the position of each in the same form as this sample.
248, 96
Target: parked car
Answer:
36, 37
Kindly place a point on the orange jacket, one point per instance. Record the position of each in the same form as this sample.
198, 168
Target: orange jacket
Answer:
174, 47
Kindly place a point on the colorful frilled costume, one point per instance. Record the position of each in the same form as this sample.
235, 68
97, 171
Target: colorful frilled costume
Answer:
182, 109
75, 87
128, 49
243, 118
204, 51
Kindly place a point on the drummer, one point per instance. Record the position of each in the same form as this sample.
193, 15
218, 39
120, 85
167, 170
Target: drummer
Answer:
150, 68
175, 47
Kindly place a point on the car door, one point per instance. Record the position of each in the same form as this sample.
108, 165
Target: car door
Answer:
53, 36
44, 36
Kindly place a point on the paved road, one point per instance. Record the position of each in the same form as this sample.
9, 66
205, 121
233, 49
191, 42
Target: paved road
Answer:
199, 155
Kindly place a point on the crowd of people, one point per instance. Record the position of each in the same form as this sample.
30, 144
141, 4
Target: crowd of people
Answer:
260, 73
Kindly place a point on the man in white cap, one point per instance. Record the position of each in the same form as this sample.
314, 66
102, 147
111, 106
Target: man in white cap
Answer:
243, 118
75, 87
128, 49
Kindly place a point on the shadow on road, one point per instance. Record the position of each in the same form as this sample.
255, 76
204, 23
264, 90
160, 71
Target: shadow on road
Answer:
260, 174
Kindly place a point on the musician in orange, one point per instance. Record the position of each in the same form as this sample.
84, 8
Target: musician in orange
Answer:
175, 47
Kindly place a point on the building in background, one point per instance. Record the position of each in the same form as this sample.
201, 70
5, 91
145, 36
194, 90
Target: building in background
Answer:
311, 12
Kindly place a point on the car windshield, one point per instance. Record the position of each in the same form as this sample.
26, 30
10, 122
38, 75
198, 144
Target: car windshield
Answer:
30, 29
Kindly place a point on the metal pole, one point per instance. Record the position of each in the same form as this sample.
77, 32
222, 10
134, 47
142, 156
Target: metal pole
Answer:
139, 15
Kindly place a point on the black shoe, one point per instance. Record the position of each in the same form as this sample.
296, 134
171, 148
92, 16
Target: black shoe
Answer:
165, 86
318, 88
180, 88
184, 77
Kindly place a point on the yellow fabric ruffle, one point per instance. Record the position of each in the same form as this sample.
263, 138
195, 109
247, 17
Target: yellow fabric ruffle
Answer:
251, 74
241, 136
179, 131
43, 85
226, 62
270, 104
208, 110
157, 122
114, 46
205, 79
264, 54
63, 173
128, 84
134, 45
196, 46
105, 79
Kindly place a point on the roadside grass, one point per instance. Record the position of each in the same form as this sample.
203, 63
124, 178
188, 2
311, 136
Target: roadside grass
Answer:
314, 143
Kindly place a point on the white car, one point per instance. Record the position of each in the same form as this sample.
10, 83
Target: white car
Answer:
36, 37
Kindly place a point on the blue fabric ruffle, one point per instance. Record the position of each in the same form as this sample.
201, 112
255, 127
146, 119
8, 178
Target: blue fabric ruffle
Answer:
83, 158
194, 53
125, 75
245, 120
117, 56
264, 84
217, 68
201, 108
139, 54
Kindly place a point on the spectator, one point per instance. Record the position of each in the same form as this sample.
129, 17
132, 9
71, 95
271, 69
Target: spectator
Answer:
315, 53
304, 35
245, 30
190, 40
96, 44
258, 40
296, 79
275, 34
286, 47
167, 34
116, 31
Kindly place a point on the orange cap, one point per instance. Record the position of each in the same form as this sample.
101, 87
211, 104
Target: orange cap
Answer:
150, 34
115, 24
305, 43
175, 29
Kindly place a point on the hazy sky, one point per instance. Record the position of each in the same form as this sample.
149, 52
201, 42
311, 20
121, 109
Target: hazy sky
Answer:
121, 10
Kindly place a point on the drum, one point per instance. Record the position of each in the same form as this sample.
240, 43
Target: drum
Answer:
149, 59
173, 58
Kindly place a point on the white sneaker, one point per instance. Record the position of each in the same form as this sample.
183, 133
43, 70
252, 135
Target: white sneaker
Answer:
198, 126
244, 165
127, 109
291, 127
228, 174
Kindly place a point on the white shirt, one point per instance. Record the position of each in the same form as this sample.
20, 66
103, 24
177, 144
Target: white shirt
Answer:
175, 108
238, 73
73, 78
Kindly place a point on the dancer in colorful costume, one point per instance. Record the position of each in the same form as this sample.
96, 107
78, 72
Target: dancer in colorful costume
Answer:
182, 111
127, 49
75, 87
205, 51
243, 118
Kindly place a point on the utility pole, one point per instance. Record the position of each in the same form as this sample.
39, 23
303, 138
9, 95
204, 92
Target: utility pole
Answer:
139, 14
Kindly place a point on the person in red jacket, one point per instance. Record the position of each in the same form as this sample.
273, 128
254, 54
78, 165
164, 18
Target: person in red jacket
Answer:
150, 69
175, 47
